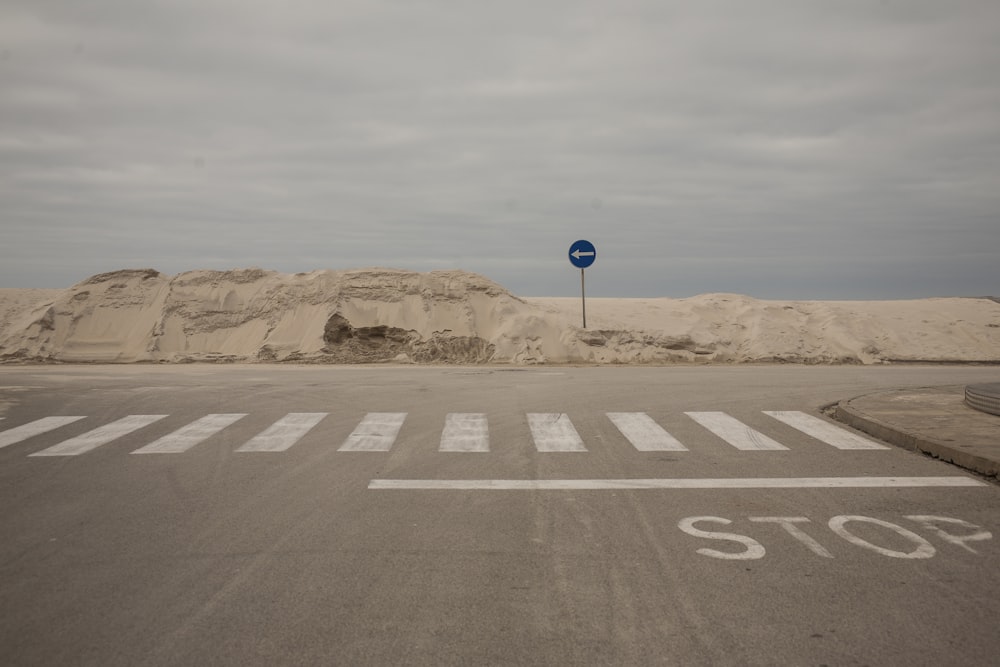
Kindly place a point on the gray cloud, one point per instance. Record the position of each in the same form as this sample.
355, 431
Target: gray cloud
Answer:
780, 149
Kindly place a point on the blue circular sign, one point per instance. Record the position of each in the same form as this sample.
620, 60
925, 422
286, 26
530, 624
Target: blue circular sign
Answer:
582, 254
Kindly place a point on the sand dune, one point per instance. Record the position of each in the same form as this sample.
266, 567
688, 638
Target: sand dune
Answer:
376, 315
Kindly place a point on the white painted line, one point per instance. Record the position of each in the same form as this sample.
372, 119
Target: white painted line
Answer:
31, 429
82, 444
735, 432
613, 484
376, 433
465, 432
187, 437
822, 430
554, 432
283, 433
644, 433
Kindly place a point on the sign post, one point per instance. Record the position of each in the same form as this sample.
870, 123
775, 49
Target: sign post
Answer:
581, 255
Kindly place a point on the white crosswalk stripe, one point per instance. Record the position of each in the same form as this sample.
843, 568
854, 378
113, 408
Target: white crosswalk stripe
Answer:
735, 432
465, 432
644, 433
31, 429
283, 433
825, 431
376, 432
187, 437
82, 444
554, 432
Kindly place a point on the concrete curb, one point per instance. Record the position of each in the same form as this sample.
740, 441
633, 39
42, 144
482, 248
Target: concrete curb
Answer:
896, 435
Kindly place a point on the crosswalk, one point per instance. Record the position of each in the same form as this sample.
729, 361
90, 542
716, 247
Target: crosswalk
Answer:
82, 444
185, 438
644, 433
376, 433
465, 432
283, 433
554, 432
735, 432
37, 427
462, 433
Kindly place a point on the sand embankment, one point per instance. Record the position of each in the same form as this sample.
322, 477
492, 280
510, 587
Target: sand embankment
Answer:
375, 315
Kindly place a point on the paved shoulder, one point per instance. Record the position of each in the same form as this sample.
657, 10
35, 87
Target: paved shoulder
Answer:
932, 420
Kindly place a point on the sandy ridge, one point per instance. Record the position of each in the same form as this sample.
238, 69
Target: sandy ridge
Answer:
374, 315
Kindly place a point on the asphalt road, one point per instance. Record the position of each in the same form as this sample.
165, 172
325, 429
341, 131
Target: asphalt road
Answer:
308, 515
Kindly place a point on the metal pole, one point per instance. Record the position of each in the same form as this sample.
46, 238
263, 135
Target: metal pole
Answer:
583, 298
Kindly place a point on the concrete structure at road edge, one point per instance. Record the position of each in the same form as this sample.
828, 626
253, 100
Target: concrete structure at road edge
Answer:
984, 397
931, 420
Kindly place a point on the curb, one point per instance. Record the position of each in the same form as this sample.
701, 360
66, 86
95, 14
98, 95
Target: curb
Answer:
895, 435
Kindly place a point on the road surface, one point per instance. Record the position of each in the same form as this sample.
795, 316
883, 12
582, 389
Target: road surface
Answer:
261, 515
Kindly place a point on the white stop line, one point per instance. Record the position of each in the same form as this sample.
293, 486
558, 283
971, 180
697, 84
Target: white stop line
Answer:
723, 483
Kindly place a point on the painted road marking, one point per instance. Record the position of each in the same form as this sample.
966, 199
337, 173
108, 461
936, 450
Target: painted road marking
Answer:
469, 432
924, 549
789, 524
644, 433
724, 483
465, 432
878, 529
31, 429
82, 444
376, 433
283, 433
735, 432
187, 437
822, 430
554, 432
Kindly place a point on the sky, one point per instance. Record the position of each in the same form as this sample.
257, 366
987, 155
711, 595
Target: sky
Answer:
780, 149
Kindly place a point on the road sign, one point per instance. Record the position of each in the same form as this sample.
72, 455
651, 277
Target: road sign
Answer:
582, 254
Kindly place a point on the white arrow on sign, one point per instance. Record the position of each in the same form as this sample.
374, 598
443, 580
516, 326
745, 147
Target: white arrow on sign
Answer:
578, 254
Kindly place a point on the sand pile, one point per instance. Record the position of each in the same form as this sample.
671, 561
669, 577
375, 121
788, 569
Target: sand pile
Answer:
376, 315
255, 315
736, 328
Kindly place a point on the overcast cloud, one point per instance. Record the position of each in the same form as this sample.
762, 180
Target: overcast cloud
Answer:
779, 149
